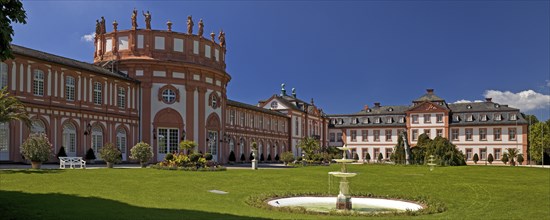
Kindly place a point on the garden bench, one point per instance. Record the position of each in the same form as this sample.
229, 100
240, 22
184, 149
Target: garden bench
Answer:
72, 162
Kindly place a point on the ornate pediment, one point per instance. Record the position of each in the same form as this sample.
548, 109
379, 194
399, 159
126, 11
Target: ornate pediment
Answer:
428, 107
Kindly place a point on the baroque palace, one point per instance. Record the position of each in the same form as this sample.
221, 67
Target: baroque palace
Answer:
163, 86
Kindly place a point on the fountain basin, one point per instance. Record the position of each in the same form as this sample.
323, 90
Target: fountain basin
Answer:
341, 174
344, 160
363, 205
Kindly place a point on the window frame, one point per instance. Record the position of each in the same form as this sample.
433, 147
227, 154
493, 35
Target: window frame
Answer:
38, 82
70, 89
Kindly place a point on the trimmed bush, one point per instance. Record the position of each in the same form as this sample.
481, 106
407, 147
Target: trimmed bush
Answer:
287, 157
504, 158
232, 157
61, 152
208, 156
90, 154
380, 157
269, 157
110, 154
243, 159
168, 156
520, 159
355, 156
37, 148
251, 157
143, 152
367, 157
194, 157
262, 157
490, 159
277, 157
476, 158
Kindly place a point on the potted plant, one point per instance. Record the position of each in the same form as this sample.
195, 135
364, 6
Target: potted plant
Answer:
61, 152
232, 158
37, 148
110, 154
490, 159
142, 152
367, 157
90, 156
476, 158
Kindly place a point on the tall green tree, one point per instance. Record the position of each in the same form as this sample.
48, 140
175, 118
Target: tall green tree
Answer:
10, 11
12, 109
398, 155
531, 119
420, 150
512, 154
309, 145
539, 138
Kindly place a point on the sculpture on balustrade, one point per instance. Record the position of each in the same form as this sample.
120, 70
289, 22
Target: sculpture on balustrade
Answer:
134, 19
221, 37
115, 25
102, 25
213, 37
97, 28
147, 20
201, 28
190, 24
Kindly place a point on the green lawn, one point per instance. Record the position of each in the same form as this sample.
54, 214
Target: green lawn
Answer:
470, 192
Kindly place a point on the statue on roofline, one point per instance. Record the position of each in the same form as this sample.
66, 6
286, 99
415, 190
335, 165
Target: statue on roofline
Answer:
213, 37
201, 28
221, 37
102, 25
190, 24
134, 19
147, 20
97, 28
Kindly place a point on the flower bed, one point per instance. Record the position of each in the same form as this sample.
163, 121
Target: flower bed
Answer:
191, 162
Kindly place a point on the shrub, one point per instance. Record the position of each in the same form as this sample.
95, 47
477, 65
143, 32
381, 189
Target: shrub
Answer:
208, 156
187, 145
504, 158
287, 157
355, 156
476, 158
380, 157
262, 157
168, 157
490, 159
269, 157
109, 153
90, 155
37, 148
143, 152
367, 157
243, 159
61, 152
520, 159
276, 157
251, 157
194, 157
232, 157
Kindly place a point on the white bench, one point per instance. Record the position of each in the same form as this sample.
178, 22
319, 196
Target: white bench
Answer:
72, 162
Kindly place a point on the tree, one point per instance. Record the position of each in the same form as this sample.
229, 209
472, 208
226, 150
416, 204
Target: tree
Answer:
12, 109
367, 157
531, 119
512, 154
380, 157
90, 155
142, 152
539, 137
232, 157
490, 159
287, 157
504, 158
10, 11
309, 145
476, 158
520, 158
398, 155
355, 156
187, 145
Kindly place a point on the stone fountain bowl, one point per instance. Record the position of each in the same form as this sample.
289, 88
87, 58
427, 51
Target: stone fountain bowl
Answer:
344, 160
341, 174
344, 148
362, 205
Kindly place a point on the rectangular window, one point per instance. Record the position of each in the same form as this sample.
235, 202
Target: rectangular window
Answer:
469, 134
428, 132
483, 153
140, 41
512, 134
98, 100
389, 151
414, 134
339, 137
388, 134
332, 137
195, 47
70, 88
121, 98
513, 117
123, 43
217, 55
242, 119
439, 132
353, 135
427, 119
483, 134
232, 117
38, 85
178, 45
207, 51
389, 120
498, 117
4, 75
469, 154
297, 127
109, 45
484, 117
497, 134
376, 134
469, 117
454, 134
377, 120
439, 118
401, 119
159, 43
497, 153
415, 119
376, 153
364, 135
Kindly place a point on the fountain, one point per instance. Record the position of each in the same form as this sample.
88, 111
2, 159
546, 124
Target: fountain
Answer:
343, 200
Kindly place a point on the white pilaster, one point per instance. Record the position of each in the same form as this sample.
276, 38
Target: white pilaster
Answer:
13, 75
49, 82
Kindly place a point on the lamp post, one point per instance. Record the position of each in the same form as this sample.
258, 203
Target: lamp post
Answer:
486, 155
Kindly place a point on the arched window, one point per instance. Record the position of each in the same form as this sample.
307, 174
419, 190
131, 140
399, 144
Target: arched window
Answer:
97, 139
121, 140
38, 127
241, 146
38, 85
232, 146
70, 88
121, 97
69, 138
3, 75
98, 98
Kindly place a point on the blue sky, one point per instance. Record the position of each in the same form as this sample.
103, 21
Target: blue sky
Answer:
344, 54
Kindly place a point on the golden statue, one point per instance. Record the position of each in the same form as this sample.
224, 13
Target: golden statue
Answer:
221, 37
201, 28
190, 25
134, 19
147, 20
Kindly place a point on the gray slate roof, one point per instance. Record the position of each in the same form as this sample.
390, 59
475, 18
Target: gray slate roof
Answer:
67, 62
430, 97
252, 107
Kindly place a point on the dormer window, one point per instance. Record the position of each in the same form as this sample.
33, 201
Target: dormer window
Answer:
390, 109
498, 117
341, 122
389, 120
513, 117
469, 107
441, 103
369, 110
457, 118
377, 120
484, 117
366, 120
497, 106
401, 119
470, 117
356, 121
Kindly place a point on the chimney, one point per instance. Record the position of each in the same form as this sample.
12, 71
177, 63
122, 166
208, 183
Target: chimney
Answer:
365, 107
377, 104
430, 91
488, 99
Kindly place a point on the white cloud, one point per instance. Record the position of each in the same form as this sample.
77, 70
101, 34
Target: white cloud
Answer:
548, 83
525, 100
466, 101
88, 37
